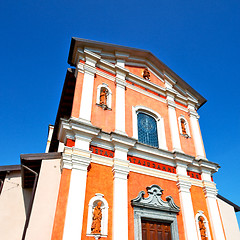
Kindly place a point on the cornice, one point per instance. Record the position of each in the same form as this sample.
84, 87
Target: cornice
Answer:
123, 140
111, 51
123, 74
74, 127
207, 165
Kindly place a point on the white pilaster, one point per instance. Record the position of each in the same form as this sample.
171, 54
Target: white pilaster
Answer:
76, 197
198, 143
78, 159
120, 99
87, 88
173, 124
214, 214
120, 187
184, 186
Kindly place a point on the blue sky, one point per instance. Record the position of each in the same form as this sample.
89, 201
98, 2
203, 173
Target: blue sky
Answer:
199, 40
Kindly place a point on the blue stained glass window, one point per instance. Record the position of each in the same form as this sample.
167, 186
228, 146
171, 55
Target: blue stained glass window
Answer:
147, 130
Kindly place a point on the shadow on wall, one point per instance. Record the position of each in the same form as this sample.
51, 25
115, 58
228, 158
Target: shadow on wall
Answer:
27, 193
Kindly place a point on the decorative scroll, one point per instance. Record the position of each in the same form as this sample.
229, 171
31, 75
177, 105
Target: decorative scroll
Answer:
154, 200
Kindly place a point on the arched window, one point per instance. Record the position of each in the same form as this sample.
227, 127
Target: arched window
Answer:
202, 226
97, 204
104, 96
183, 126
147, 129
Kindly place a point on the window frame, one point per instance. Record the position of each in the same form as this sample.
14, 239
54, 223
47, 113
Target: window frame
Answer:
159, 121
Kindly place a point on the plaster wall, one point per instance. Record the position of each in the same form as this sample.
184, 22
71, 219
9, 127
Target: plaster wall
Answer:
14, 202
44, 205
229, 220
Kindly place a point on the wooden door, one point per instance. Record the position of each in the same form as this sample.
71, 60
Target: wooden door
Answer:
155, 230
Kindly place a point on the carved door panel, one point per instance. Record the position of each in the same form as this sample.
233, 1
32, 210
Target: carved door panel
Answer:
155, 230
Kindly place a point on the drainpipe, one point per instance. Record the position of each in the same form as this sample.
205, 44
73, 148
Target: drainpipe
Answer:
31, 201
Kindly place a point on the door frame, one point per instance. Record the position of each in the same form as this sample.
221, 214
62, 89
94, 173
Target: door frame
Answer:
154, 215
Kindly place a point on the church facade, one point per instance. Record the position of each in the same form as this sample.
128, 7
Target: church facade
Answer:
125, 158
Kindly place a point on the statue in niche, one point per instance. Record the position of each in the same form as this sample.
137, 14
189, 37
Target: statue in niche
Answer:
146, 74
202, 228
96, 219
184, 131
103, 97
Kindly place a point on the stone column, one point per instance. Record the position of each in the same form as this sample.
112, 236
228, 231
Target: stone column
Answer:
196, 133
120, 186
184, 186
87, 88
213, 210
120, 99
173, 123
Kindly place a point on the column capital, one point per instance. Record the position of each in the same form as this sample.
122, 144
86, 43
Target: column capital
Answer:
193, 113
120, 168
80, 67
120, 82
90, 70
91, 58
183, 184
210, 190
74, 158
122, 140
121, 72
171, 93
171, 104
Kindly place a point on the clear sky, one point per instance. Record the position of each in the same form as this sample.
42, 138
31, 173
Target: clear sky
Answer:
199, 40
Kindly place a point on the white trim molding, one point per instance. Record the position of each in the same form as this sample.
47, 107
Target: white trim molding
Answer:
104, 207
159, 120
205, 221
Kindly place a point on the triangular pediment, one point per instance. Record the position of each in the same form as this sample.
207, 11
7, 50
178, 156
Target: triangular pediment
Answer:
135, 61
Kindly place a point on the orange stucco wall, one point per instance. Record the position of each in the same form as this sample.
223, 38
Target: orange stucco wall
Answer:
138, 182
139, 72
199, 203
61, 207
104, 119
187, 144
99, 180
77, 95
134, 98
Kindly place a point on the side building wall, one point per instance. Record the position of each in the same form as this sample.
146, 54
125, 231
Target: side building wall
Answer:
229, 220
14, 202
